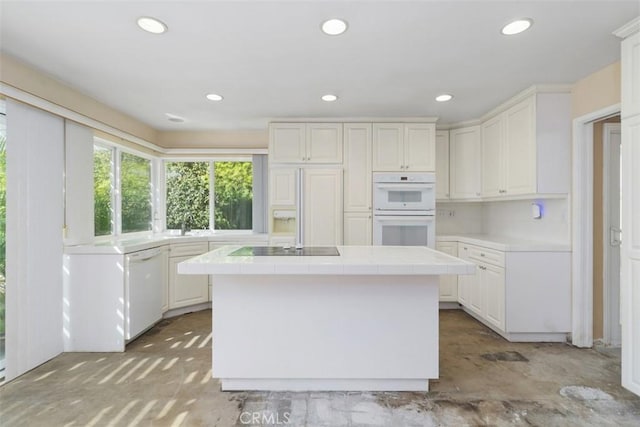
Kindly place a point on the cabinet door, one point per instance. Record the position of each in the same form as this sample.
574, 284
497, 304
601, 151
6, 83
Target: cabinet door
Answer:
492, 157
442, 164
165, 281
186, 289
466, 280
465, 150
322, 206
282, 186
388, 147
287, 143
419, 147
324, 143
477, 293
357, 167
493, 279
449, 283
520, 148
357, 228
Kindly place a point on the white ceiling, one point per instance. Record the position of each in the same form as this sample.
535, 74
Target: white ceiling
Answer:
270, 59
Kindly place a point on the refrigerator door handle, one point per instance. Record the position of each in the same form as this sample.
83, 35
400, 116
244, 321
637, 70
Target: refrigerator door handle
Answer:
299, 209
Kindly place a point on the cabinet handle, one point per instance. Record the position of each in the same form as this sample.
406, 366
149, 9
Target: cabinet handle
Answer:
482, 267
477, 194
482, 254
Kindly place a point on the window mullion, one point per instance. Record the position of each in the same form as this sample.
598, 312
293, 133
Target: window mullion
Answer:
117, 193
212, 195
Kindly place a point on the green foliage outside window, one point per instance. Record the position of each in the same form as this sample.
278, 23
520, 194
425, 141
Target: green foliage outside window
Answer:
135, 188
233, 189
3, 223
187, 194
102, 158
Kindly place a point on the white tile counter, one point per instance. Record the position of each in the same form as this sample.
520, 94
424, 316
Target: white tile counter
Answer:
368, 260
506, 244
128, 244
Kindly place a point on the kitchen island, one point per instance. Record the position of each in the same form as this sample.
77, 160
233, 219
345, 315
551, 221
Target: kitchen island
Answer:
366, 319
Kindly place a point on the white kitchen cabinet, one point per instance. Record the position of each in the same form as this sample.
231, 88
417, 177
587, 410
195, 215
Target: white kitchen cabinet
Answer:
357, 167
442, 165
492, 279
185, 290
522, 295
448, 283
404, 147
357, 228
465, 167
305, 143
526, 148
464, 281
282, 186
322, 207
493, 157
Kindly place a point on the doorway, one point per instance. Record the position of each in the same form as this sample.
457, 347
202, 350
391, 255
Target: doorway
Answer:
606, 232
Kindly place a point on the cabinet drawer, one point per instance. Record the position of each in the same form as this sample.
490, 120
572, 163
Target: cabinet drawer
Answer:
488, 256
184, 249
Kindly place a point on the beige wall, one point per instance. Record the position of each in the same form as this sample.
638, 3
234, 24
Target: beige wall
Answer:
17, 74
596, 91
598, 235
214, 139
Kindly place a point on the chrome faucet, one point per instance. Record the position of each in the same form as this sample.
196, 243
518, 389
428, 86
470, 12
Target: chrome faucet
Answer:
186, 224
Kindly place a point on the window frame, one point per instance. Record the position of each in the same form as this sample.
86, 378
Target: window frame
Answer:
116, 189
211, 160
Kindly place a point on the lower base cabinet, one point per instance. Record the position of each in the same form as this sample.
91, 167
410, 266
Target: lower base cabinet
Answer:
185, 290
448, 284
357, 228
523, 296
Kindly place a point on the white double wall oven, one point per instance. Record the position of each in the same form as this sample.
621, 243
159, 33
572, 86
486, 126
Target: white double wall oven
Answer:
404, 209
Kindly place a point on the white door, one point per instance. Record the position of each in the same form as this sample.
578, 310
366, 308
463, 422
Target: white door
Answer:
357, 167
520, 148
492, 157
630, 250
465, 150
186, 289
630, 253
493, 283
287, 143
282, 186
322, 207
612, 234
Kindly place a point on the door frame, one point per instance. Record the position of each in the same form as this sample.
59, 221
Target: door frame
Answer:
582, 225
610, 309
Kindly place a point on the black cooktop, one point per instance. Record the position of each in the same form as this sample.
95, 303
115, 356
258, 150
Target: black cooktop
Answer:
280, 251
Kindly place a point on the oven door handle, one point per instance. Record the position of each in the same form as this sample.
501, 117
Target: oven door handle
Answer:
414, 187
405, 218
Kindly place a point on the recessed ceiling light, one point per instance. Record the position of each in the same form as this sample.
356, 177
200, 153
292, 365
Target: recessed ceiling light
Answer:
214, 97
334, 27
444, 97
152, 25
329, 98
517, 26
173, 118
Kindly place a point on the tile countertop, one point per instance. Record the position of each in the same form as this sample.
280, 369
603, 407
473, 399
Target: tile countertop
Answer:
506, 244
138, 243
353, 260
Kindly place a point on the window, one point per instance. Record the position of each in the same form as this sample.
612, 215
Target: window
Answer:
130, 209
209, 195
135, 188
3, 222
102, 190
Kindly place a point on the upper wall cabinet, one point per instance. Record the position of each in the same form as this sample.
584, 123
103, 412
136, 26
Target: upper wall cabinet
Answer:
357, 167
442, 164
464, 173
526, 148
305, 143
399, 147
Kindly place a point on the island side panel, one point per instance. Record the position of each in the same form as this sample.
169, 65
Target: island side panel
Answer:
370, 330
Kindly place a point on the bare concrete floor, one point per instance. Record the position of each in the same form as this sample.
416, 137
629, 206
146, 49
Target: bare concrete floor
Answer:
164, 379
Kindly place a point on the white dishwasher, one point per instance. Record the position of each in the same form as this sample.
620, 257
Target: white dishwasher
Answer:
144, 285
